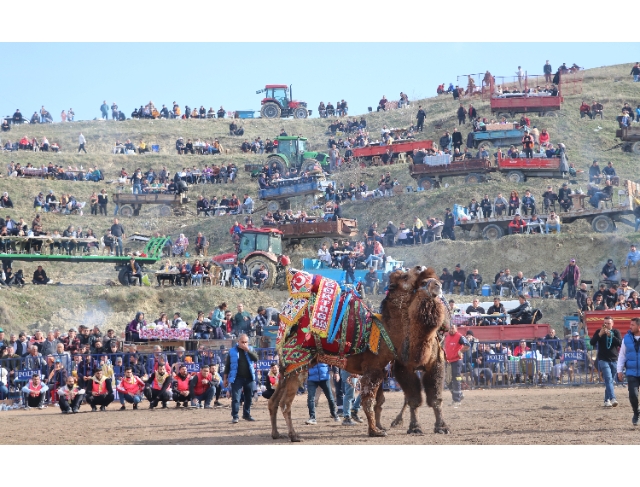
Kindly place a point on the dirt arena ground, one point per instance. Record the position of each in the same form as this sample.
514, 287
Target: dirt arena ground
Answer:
560, 416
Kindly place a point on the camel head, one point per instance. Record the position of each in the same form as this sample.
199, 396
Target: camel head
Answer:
403, 281
427, 280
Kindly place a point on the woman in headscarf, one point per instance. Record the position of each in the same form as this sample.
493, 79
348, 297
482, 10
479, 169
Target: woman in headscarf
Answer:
132, 331
181, 245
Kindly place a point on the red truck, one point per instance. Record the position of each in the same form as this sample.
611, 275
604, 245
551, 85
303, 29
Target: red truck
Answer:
405, 146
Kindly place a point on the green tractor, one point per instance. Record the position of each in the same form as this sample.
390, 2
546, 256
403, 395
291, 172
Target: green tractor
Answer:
291, 152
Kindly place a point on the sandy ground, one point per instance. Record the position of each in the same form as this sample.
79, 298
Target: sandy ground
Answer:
513, 416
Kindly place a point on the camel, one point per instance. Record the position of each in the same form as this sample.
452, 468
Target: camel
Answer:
412, 314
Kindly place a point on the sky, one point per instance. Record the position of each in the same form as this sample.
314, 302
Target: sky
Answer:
81, 75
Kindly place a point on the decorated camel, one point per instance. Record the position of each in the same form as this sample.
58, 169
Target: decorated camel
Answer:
320, 323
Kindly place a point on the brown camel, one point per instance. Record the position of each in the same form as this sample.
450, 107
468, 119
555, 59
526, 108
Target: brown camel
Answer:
412, 313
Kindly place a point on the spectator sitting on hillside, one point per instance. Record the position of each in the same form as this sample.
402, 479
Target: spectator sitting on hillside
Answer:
609, 171
585, 110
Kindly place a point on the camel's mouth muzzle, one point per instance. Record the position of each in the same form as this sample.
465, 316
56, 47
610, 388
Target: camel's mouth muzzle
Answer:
433, 287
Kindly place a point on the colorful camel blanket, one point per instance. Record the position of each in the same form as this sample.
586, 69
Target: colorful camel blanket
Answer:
321, 321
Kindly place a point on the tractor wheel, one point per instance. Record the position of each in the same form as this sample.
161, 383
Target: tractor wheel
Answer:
515, 177
122, 277
427, 183
164, 210
506, 115
311, 165
270, 110
300, 112
326, 240
474, 178
492, 232
254, 263
635, 148
551, 113
126, 211
603, 224
278, 162
273, 206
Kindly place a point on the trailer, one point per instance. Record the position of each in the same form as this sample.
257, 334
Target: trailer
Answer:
593, 320
131, 204
602, 220
430, 176
279, 196
518, 169
406, 147
151, 254
327, 231
630, 136
498, 137
509, 95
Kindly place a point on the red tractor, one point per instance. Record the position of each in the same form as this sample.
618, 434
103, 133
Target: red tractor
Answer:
278, 102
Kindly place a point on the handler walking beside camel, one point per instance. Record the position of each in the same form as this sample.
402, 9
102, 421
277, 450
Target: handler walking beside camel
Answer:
454, 346
240, 372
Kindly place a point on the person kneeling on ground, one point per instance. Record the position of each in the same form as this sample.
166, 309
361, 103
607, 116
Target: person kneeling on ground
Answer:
100, 392
70, 396
157, 386
34, 393
130, 388
202, 387
180, 389
40, 276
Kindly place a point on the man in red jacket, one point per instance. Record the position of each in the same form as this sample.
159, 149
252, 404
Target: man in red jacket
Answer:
203, 388
130, 389
454, 347
181, 386
516, 225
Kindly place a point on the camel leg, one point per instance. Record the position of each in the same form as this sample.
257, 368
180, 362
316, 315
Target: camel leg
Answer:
433, 382
378, 408
286, 402
399, 421
273, 403
412, 389
369, 390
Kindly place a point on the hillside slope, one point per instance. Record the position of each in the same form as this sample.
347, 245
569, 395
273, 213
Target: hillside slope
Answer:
585, 140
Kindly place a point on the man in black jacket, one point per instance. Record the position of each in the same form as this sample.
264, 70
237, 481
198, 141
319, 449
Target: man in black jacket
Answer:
449, 224
605, 194
390, 234
521, 314
457, 139
349, 265
608, 341
474, 282
420, 117
458, 279
447, 281
581, 296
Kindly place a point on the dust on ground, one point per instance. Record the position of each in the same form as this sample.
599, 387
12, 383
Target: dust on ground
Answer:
542, 416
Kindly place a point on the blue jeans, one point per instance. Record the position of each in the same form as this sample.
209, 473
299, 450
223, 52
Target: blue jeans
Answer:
4, 392
546, 227
637, 224
115, 210
472, 286
118, 245
349, 406
312, 386
240, 385
130, 398
371, 259
597, 198
447, 287
137, 189
608, 370
207, 397
349, 278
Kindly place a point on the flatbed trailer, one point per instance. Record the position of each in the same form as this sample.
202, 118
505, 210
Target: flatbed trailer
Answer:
430, 177
131, 204
602, 220
325, 230
498, 138
518, 169
152, 250
630, 137
278, 197
400, 147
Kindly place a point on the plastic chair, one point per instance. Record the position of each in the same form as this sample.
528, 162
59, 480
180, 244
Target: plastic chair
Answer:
155, 148
224, 277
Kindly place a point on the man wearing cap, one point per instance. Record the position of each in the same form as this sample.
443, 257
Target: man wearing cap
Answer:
607, 340
130, 388
610, 272
454, 347
629, 359
571, 277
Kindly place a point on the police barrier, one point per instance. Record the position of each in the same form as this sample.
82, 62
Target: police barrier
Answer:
54, 369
